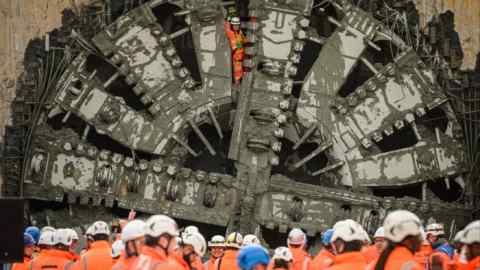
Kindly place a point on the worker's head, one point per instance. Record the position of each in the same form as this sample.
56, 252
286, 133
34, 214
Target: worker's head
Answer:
133, 236
217, 246
296, 238
47, 240
28, 244
282, 258
347, 237
403, 227
194, 245
34, 233
234, 241
75, 240
379, 239
253, 257
327, 239
100, 231
235, 22
434, 232
63, 239
161, 231
471, 239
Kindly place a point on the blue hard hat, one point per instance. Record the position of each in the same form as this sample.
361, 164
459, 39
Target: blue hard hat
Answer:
28, 239
252, 255
34, 232
327, 237
447, 249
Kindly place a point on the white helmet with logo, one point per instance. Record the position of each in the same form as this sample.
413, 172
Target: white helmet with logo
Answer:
379, 233
197, 241
63, 237
100, 227
191, 229
348, 232
47, 238
296, 237
133, 230
158, 225
234, 240
435, 229
282, 253
117, 248
401, 223
250, 239
235, 21
217, 241
73, 233
471, 233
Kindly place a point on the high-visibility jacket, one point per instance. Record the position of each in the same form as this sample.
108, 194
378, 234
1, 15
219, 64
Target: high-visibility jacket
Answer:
197, 264
422, 256
323, 260
349, 261
73, 256
53, 259
23, 265
179, 259
301, 259
370, 253
98, 257
228, 261
210, 264
401, 258
443, 258
152, 259
236, 38
473, 264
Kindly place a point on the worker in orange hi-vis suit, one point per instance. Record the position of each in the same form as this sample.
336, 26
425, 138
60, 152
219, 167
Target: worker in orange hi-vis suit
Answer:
237, 40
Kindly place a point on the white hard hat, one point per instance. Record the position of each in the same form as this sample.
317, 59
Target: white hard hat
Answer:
47, 238
63, 236
235, 21
282, 253
73, 233
157, 225
100, 227
133, 230
471, 233
401, 223
217, 241
250, 239
191, 229
348, 222
348, 232
234, 240
435, 229
380, 232
46, 229
197, 241
89, 231
117, 248
296, 237
458, 237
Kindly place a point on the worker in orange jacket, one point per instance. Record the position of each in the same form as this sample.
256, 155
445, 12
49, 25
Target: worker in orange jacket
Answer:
58, 257
98, 256
296, 242
471, 248
403, 231
423, 254
160, 243
372, 252
217, 248
229, 260
28, 247
194, 248
282, 259
237, 41
133, 237
347, 241
325, 257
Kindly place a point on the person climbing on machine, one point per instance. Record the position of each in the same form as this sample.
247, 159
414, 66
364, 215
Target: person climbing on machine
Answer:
237, 41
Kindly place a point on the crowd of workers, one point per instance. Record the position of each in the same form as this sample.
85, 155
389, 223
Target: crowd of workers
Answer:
157, 244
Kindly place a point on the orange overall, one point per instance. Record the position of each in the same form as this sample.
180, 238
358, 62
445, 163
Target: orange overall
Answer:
237, 39
323, 260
